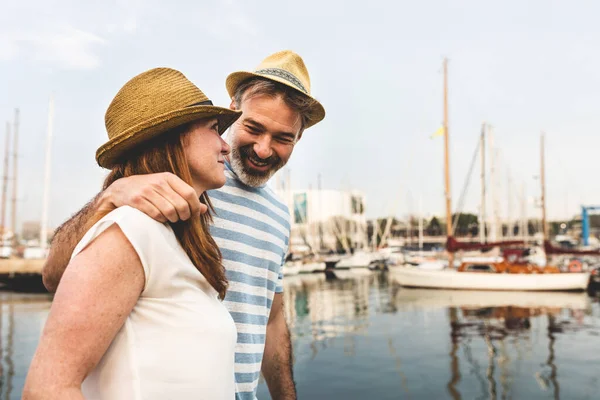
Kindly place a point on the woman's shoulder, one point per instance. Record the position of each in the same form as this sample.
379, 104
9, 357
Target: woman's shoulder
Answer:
147, 236
140, 229
138, 226
133, 216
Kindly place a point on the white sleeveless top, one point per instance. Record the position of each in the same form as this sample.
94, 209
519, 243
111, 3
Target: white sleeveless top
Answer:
179, 340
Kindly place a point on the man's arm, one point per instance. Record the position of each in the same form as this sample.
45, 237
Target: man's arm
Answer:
64, 241
164, 197
277, 365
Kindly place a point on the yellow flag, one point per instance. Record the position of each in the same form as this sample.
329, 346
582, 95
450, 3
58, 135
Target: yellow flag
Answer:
439, 132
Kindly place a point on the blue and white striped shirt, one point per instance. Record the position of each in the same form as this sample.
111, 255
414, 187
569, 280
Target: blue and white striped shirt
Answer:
252, 229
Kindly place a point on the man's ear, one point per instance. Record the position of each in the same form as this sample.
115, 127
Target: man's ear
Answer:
232, 105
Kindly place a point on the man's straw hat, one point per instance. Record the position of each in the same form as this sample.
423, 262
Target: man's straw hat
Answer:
285, 67
150, 104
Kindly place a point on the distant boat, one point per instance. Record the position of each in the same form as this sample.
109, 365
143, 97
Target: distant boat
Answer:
35, 253
290, 268
302, 266
308, 267
392, 256
360, 259
487, 273
6, 250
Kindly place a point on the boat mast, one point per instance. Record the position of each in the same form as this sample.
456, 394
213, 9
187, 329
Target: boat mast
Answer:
44, 224
509, 221
5, 184
494, 216
320, 213
543, 183
482, 235
447, 163
420, 223
14, 194
524, 223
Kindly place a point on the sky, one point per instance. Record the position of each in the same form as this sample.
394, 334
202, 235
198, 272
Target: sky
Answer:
522, 67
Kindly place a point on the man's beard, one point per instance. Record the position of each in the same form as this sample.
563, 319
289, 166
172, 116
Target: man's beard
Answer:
248, 175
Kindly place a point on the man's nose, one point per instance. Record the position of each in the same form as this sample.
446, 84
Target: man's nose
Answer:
262, 147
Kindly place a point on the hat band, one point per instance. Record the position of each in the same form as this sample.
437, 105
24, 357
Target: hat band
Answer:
281, 73
202, 103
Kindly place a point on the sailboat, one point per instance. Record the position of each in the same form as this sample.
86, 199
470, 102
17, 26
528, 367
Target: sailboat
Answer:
484, 275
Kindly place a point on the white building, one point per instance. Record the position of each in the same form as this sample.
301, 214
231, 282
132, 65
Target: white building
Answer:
326, 219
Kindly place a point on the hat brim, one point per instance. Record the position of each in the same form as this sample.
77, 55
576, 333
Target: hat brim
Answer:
234, 79
113, 151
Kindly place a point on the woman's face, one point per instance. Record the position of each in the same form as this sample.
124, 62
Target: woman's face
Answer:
205, 151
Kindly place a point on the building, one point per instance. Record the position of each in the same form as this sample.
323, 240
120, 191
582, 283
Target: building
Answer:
327, 220
31, 230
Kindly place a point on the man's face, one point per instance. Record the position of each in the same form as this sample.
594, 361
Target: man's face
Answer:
262, 139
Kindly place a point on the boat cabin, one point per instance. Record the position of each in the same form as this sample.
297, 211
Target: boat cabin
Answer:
505, 267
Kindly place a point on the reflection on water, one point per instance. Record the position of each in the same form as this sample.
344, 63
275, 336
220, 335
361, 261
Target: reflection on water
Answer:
334, 306
359, 335
508, 335
22, 317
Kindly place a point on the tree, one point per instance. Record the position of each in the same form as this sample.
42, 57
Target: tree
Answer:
468, 224
434, 228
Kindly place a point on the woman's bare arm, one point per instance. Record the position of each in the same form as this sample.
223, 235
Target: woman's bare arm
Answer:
99, 289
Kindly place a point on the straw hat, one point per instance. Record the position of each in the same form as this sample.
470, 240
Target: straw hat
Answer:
150, 104
285, 67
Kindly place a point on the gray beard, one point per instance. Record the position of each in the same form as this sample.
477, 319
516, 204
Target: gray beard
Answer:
248, 178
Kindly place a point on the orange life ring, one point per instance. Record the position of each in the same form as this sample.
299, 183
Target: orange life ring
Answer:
575, 266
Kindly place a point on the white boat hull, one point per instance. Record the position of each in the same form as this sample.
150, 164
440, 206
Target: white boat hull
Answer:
290, 268
357, 260
35, 253
451, 279
5, 252
312, 266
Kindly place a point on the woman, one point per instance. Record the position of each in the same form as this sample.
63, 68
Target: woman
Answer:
138, 314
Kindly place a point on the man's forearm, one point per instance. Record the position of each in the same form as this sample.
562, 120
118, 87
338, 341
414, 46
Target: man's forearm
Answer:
65, 239
277, 365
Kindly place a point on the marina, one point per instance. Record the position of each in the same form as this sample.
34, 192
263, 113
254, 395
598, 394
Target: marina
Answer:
422, 176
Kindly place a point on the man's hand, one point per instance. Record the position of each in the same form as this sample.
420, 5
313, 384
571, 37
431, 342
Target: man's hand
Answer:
164, 197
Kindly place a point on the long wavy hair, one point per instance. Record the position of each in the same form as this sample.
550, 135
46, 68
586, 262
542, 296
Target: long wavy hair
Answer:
166, 154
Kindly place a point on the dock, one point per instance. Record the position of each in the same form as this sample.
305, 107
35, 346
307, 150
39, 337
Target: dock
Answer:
22, 274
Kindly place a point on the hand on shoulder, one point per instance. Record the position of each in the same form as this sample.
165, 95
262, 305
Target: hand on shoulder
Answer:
162, 196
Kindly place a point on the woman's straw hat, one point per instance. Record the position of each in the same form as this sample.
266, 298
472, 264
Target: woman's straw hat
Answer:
285, 67
150, 104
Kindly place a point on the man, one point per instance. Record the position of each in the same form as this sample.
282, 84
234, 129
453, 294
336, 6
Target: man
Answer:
251, 225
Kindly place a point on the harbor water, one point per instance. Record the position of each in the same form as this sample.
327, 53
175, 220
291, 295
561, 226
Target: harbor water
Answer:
359, 335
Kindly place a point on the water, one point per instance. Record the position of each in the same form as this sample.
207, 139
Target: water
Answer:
362, 336
22, 318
